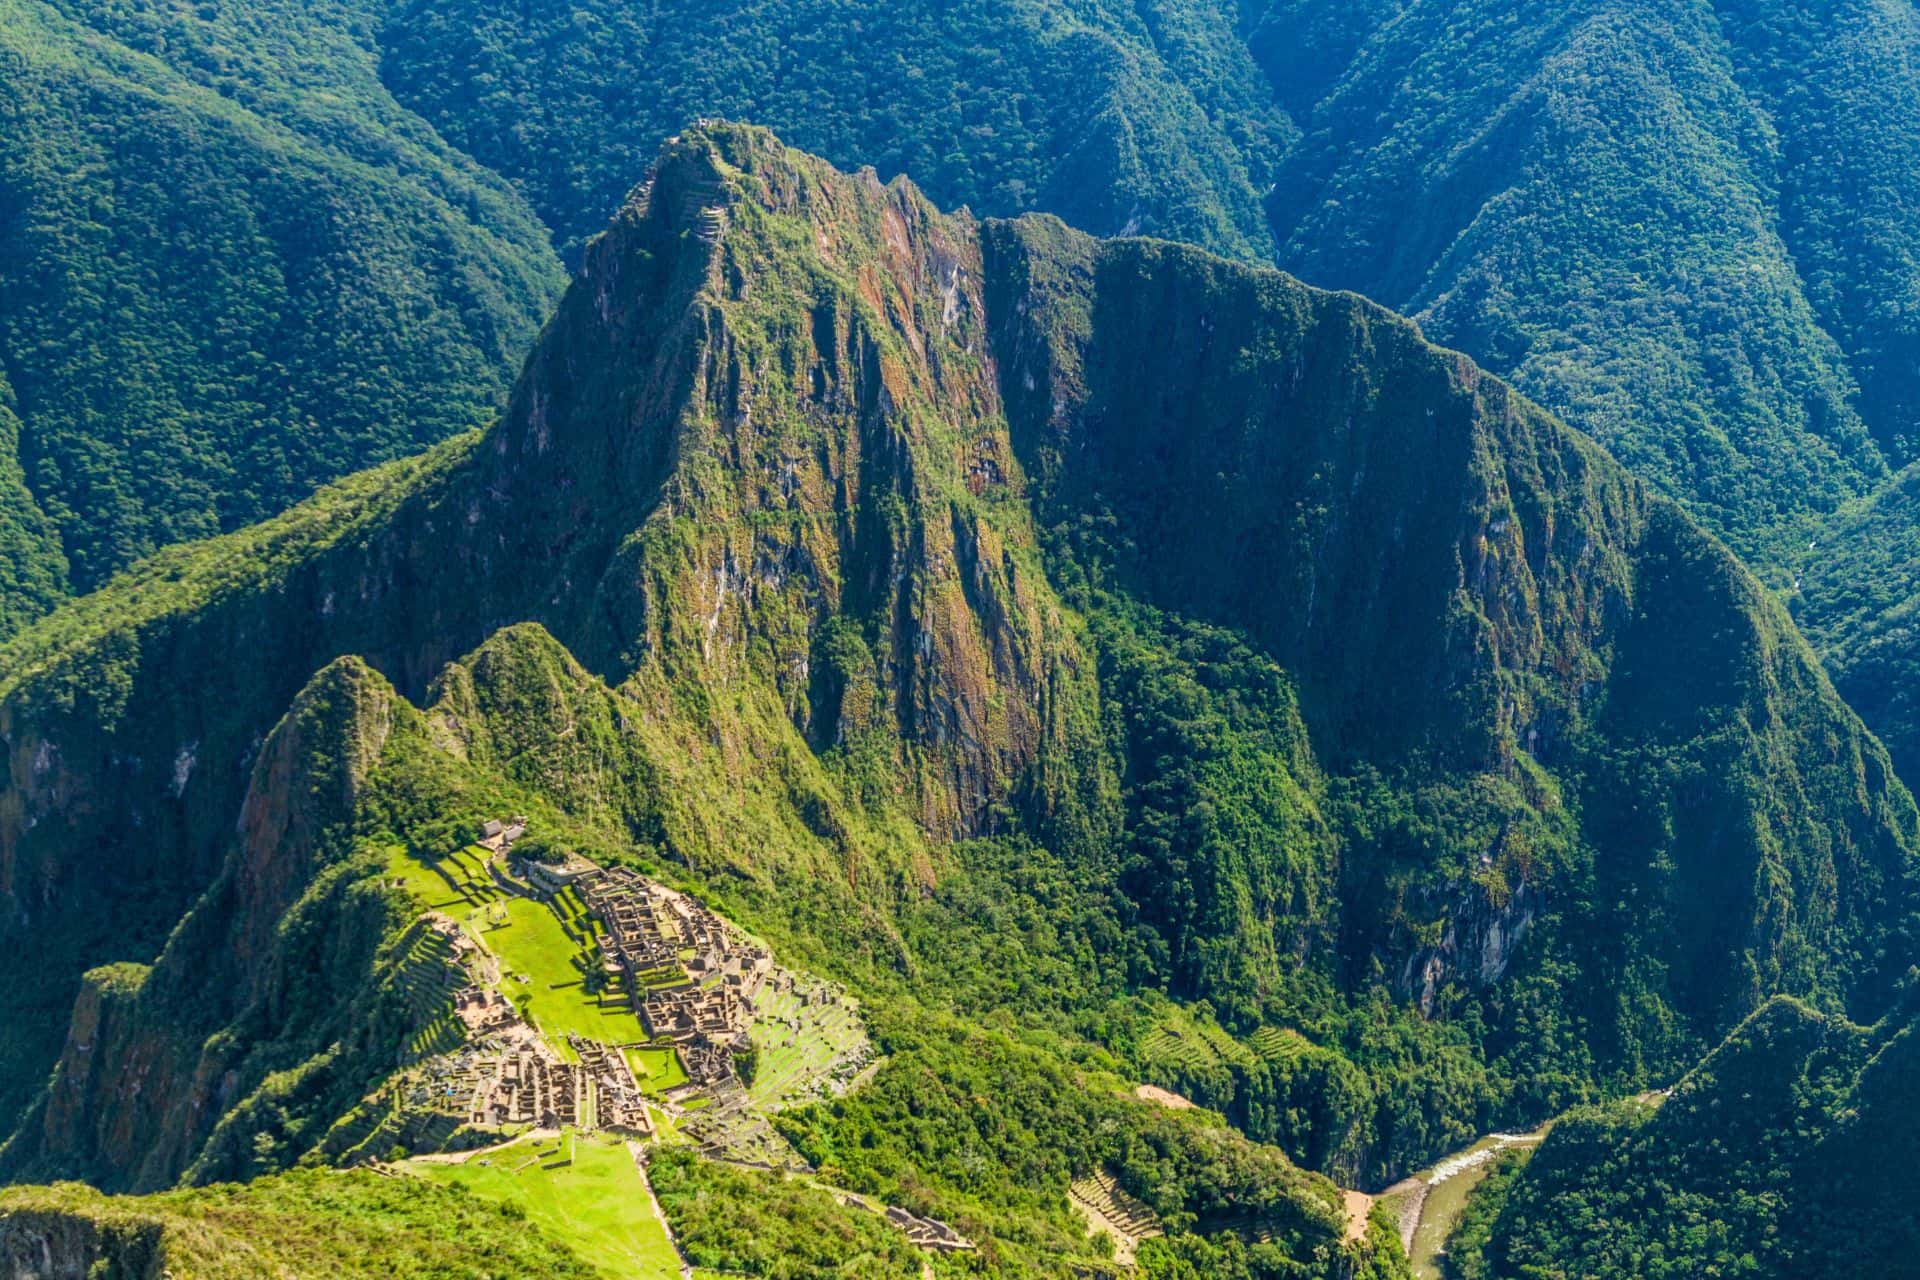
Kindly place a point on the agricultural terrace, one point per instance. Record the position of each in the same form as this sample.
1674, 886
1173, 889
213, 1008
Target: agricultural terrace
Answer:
545, 950
805, 1048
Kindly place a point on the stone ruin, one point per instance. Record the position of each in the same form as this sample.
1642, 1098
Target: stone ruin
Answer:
689, 977
928, 1233
618, 1102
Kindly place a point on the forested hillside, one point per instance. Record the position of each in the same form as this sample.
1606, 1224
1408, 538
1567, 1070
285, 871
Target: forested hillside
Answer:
1136, 119
1683, 228
862, 604
1168, 738
234, 268
1784, 1154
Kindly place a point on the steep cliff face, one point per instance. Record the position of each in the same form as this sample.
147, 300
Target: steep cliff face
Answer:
1434, 557
143, 1078
825, 529
56, 1245
766, 403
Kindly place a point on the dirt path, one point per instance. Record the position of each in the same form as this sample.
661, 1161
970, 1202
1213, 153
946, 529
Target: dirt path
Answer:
1359, 1205
639, 1152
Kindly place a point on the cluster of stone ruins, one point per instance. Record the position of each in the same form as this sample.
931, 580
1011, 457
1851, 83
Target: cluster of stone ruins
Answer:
690, 978
696, 985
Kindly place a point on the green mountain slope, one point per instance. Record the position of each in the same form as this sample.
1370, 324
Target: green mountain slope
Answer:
1128, 648
1783, 1154
1684, 229
234, 269
1600, 220
1122, 118
1856, 589
1681, 229
308, 1224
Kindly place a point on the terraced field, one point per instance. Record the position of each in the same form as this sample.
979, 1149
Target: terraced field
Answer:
455, 884
800, 1046
1108, 1208
1182, 1041
1278, 1044
428, 975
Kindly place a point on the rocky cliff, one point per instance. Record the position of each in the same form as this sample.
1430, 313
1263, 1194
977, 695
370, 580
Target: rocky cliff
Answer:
826, 529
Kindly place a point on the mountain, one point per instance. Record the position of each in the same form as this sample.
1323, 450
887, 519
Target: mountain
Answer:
1682, 228
1687, 229
1121, 118
235, 269
1777, 1156
1112, 662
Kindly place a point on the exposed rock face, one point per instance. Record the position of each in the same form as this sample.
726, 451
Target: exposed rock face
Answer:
798, 464
61, 1246
1483, 930
140, 1083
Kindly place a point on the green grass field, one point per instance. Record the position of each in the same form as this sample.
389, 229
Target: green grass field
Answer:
656, 1070
596, 1204
456, 884
536, 945
551, 946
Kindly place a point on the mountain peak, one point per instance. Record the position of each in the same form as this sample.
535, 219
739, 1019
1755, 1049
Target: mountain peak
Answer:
826, 530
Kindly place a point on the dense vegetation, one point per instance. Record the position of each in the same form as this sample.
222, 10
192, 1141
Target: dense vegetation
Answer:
1684, 228
235, 268
1233, 693
349, 1225
1119, 117
743, 1222
1674, 232
916, 671
1785, 1153
1857, 592
1601, 221
974, 1126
